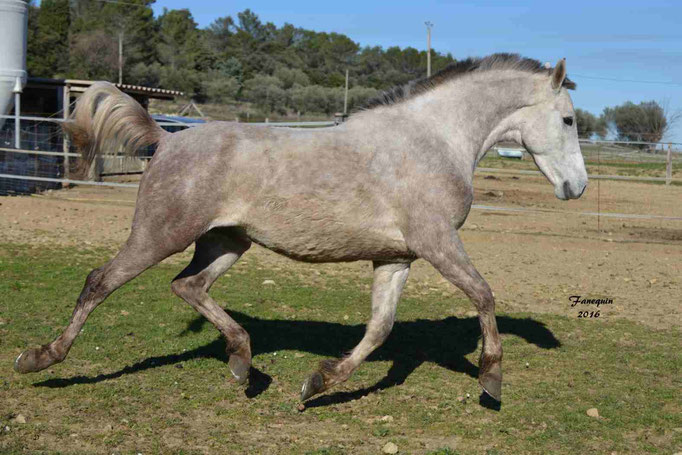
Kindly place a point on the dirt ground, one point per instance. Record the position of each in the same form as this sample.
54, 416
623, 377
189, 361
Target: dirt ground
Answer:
534, 259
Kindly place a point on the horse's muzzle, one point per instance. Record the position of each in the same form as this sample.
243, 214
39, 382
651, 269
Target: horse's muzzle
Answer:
570, 192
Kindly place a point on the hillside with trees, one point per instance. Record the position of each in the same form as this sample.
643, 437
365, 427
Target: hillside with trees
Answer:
276, 69
241, 64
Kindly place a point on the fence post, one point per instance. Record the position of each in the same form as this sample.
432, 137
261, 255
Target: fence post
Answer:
669, 165
17, 113
66, 103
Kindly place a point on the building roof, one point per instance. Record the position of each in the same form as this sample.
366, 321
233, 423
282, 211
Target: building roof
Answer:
79, 86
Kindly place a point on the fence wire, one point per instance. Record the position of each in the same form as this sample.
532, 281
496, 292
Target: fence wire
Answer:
38, 165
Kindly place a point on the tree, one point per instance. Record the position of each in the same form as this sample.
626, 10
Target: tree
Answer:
291, 76
48, 46
133, 20
183, 52
588, 124
241, 58
95, 54
359, 96
647, 121
220, 88
220, 33
266, 92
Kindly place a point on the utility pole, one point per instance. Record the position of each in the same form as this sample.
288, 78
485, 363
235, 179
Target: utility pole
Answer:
345, 96
120, 57
428, 48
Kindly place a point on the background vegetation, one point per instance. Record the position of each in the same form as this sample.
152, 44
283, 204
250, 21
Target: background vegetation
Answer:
275, 68
279, 71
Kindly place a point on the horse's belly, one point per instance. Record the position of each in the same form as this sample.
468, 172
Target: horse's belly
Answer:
334, 243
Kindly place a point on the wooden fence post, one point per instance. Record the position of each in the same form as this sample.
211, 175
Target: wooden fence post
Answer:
669, 165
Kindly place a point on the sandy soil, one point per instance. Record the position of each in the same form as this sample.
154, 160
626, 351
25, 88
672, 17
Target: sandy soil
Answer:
534, 261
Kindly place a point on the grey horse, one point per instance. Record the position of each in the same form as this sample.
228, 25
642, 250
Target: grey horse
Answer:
392, 184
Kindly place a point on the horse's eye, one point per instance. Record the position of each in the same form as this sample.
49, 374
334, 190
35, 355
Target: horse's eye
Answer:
568, 121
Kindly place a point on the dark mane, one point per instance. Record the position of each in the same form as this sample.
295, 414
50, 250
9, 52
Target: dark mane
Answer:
457, 69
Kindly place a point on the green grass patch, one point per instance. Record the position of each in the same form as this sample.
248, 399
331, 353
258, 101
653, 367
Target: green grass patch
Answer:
148, 375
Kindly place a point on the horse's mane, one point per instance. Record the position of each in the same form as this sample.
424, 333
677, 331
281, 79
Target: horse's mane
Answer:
501, 61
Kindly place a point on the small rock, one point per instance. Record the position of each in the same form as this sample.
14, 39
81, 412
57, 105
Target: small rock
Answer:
527, 365
345, 317
387, 419
268, 283
19, 419
6, 429
344, 426
390, 448
298, 355
301, 407
593, 412
653, 281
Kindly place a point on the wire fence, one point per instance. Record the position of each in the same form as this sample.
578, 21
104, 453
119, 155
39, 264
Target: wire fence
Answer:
39, 163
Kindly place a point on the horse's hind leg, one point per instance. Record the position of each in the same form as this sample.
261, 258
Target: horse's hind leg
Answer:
389, 279
216, 251
136, 256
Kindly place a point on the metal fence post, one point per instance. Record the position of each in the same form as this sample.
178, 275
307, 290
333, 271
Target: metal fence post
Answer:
66, 101
17, 113
669, 165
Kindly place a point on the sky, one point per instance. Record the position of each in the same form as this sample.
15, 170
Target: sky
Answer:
615, 50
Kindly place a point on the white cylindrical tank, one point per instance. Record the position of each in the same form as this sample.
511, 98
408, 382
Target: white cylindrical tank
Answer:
13, 23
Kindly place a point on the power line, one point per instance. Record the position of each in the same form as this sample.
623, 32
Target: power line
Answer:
679, 84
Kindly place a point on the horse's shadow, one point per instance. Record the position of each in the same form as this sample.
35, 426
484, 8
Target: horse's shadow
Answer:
445, 342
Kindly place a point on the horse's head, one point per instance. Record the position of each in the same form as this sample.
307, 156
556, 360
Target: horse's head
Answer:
549, 132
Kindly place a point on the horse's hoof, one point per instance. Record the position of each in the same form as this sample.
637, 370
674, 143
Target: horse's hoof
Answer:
239, 367
29, 361
312, 386
492, 385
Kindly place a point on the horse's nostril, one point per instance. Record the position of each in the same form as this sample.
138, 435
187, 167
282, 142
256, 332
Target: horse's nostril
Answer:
567, 189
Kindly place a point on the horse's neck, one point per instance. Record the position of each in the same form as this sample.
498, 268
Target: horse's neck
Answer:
469, 114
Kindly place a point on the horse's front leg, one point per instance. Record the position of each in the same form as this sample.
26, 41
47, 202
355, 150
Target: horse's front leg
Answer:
443, 248
389, 279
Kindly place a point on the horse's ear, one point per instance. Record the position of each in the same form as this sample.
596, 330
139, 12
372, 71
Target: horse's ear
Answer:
559, 74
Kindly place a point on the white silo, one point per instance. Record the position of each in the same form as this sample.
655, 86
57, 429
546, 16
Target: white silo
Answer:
13, 23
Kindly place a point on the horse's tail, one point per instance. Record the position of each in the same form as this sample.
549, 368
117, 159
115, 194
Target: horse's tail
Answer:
106, 118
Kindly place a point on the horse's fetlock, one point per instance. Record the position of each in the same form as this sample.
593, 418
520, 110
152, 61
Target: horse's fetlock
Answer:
238, 341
